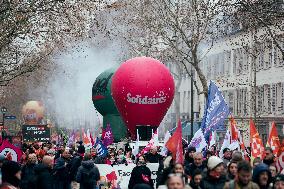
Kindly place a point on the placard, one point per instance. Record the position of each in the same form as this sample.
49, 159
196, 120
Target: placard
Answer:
119, 175
36, 133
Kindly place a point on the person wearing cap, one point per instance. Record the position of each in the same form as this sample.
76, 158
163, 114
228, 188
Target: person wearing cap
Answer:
262, 176
227, 156
243, 178
214, 179
278, 182
11, 174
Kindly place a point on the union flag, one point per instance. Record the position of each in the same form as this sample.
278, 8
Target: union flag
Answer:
273, 139
257, 148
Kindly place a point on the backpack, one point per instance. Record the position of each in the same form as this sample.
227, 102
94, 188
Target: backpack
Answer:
87, 180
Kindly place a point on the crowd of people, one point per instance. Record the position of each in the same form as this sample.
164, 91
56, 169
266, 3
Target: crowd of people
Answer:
49, 166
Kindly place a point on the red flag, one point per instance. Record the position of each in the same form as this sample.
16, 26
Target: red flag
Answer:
280, 159
257, 148
273, 139
174, 144
234, 129
92, 140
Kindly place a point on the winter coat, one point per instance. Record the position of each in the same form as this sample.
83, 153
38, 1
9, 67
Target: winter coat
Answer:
189, 169
140, 174
60, 175
28, 177
75, 163
44, 177
154, 158
88, 175
210, 183
233, 185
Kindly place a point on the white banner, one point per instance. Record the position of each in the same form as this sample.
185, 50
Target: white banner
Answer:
119, 175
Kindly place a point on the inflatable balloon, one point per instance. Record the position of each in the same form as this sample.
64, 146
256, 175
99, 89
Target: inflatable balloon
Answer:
143, 90
33, 112
103, 102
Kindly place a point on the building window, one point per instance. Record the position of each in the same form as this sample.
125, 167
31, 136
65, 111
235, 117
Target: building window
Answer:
273, 97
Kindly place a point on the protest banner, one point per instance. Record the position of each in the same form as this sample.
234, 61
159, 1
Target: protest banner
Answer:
119, 175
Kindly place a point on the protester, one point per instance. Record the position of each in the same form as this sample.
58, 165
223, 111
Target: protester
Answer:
11, 175
81, 148
273, 171
28, 177
256, 162
140, 174
152, 156
269, 156
278, 182
262, 176
179, 169
175, 181
61, 175
164, 170
232, 170
197, 164
214, 178
44, 173
88, 174
196, 179
227, 155
188, 157
237, 156
243, 179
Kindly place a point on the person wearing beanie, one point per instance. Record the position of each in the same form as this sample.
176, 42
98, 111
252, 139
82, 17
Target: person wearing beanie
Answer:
278, 182
262, 176
11, 174
215, 178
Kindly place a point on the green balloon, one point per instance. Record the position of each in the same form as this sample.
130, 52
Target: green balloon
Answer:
101, 93
103, 102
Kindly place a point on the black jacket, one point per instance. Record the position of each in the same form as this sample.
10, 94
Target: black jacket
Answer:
210, 183
60, 175
44, 177
88, 175
189, 169
140, 174
28, 177
157, 158
75, 163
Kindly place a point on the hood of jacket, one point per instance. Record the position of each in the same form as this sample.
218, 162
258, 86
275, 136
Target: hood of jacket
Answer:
258, 170
88, 164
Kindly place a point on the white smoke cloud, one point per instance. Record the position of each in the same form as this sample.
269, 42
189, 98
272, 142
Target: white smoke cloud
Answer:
69, 96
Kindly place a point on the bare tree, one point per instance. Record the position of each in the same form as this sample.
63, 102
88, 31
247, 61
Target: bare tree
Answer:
29, 28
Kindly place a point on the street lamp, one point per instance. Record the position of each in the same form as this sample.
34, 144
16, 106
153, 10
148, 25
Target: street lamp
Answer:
4, 111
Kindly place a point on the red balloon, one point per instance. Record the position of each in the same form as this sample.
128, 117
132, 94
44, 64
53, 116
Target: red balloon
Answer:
143, 90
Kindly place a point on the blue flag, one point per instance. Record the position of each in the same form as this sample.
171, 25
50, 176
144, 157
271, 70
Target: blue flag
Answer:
101, 149
215, 112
